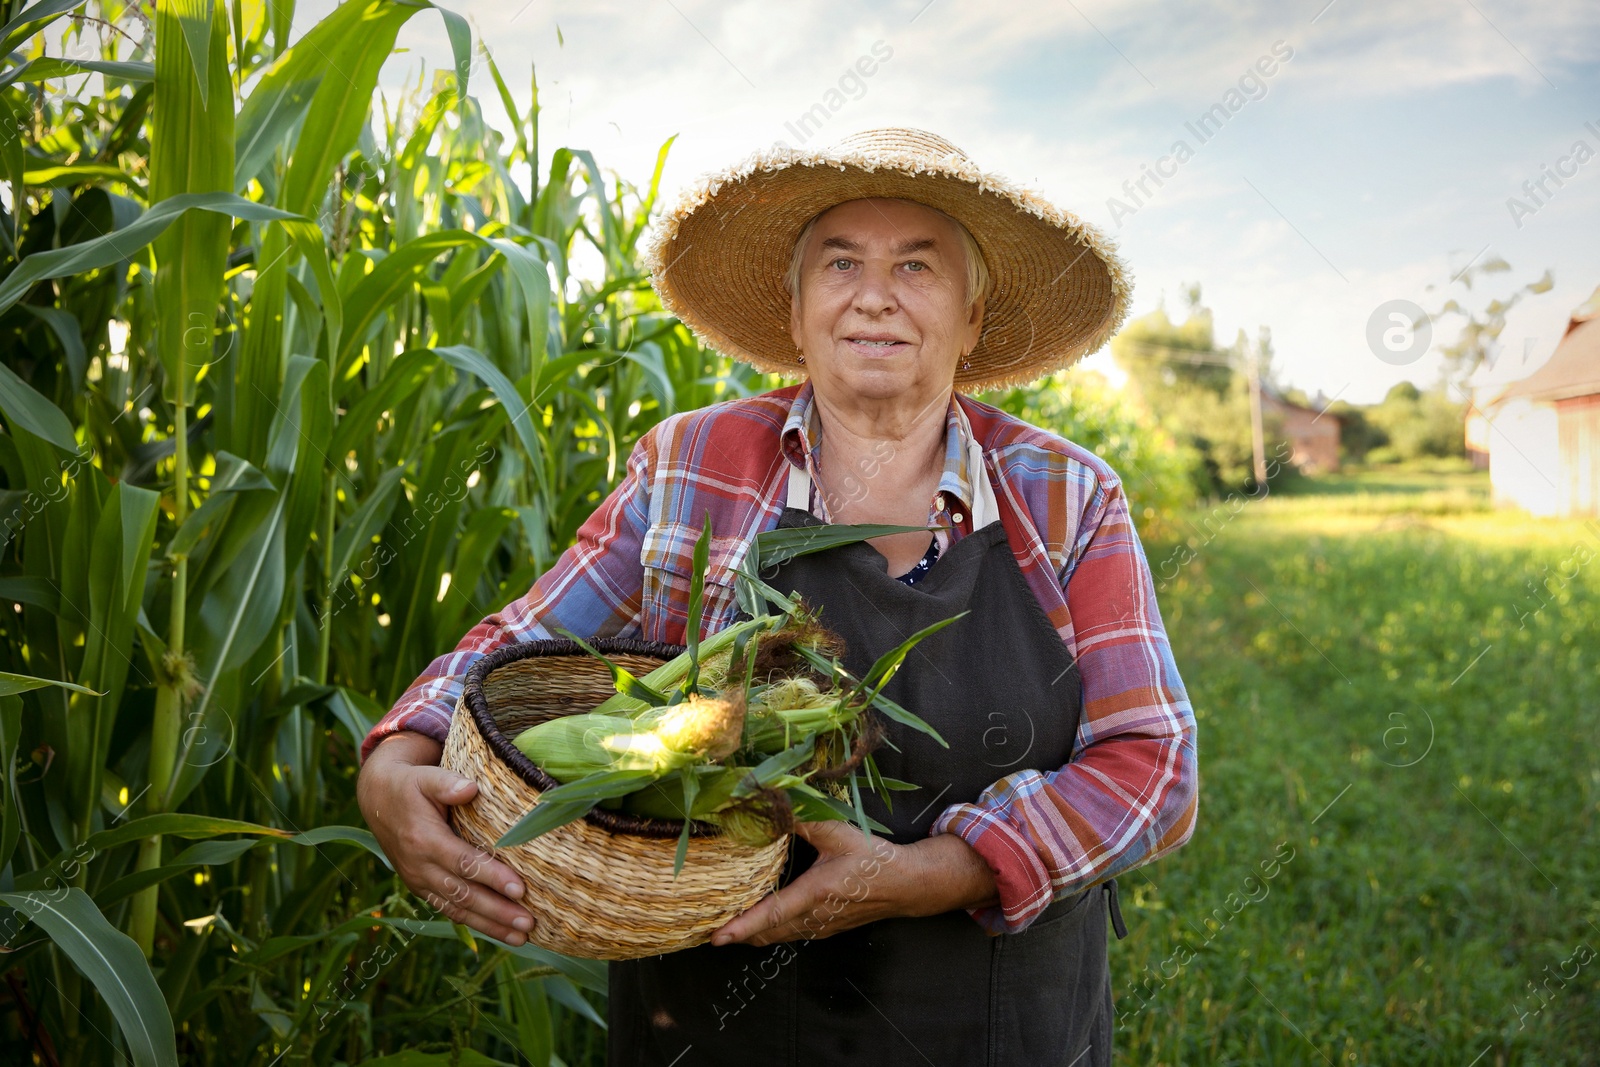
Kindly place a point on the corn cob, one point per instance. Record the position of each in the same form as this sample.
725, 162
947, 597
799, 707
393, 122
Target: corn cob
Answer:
576, 745
698, 729
710, 728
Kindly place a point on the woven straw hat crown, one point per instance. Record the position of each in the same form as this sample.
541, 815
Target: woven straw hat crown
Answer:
1058, 289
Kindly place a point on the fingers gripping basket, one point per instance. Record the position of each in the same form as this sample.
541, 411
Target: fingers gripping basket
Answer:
600, 887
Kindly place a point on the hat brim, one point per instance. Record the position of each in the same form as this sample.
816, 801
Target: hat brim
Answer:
1058, 289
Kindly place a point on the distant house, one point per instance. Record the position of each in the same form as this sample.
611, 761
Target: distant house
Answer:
1541, 435
1313, 434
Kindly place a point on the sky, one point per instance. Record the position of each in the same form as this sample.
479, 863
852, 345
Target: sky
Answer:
1370, 153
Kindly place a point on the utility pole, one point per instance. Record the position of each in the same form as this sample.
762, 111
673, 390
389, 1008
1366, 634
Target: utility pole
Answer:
1256, 444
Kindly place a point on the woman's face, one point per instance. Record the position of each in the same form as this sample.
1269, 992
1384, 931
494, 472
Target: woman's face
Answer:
882, 308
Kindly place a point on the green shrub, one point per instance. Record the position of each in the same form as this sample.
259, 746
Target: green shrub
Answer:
1159, 474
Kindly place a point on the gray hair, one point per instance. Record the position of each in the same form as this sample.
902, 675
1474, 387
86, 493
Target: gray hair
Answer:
977, 269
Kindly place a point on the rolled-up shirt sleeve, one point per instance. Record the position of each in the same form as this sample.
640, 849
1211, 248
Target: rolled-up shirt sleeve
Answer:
594, 589
1131, 793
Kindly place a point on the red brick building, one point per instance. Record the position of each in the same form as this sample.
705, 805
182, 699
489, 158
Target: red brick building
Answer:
1313, 435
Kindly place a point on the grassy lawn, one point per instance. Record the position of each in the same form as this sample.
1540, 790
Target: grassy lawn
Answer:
1396, 858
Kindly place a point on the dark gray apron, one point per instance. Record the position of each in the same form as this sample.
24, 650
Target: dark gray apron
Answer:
1003, 690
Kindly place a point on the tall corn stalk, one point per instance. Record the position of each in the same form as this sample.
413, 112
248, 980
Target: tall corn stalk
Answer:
292, 394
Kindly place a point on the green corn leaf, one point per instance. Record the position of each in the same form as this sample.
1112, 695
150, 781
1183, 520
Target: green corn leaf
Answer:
590, 974
25, 407
744, 652
755, 594
356, 712
10, 737
339, 105
405, 376
572, 801
399, 271
274, 111
906, 718
466, 1057
11, 684
563, 992
778, 546
476, 364
885, 666
769, 770
375, 294
220, 853
14, 155
855, 801
45, 68
460, 34
173, 824
481, 537
308, 241
528, 267
232, 475
31, 20
355, 534
37, 591
691, 790
524, 1003
69, 174
603, 207
195, 18
203, 854
235, 616
117, 546
356, 45
875, 696
626, 684
697, 603
69, 332
345, 835
192, 104
109, 959
119, 245
812, 805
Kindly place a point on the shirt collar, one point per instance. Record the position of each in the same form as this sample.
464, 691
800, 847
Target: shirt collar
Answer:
802, 436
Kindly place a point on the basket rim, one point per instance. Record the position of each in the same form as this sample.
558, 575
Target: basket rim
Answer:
477, 704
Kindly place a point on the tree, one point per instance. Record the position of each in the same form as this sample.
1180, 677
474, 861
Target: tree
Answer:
1199, 392
1417, 423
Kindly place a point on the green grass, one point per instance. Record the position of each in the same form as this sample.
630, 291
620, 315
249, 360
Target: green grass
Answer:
1387, 711
1394, 490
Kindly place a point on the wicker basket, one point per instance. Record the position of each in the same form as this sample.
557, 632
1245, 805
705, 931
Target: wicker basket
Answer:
600, 887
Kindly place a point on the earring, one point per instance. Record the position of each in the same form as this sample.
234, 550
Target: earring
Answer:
799, 359
966, 365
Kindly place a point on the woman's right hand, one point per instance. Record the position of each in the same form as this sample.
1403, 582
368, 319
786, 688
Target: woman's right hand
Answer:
403, 792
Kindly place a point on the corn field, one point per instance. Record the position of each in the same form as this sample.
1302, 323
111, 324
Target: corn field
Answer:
299, 382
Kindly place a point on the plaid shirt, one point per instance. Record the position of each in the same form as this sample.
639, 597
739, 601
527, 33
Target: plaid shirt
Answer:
1130, 793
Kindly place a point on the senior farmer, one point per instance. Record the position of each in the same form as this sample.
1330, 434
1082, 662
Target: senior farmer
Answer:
887, 271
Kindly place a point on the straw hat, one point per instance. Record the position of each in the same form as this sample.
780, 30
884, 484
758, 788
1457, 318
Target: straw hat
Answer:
1058, 289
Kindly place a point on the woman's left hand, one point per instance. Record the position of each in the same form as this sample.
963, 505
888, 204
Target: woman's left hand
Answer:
857, 880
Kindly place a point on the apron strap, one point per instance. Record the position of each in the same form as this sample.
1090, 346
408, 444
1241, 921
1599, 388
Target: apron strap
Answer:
985, 509
1110, 890
799, 488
